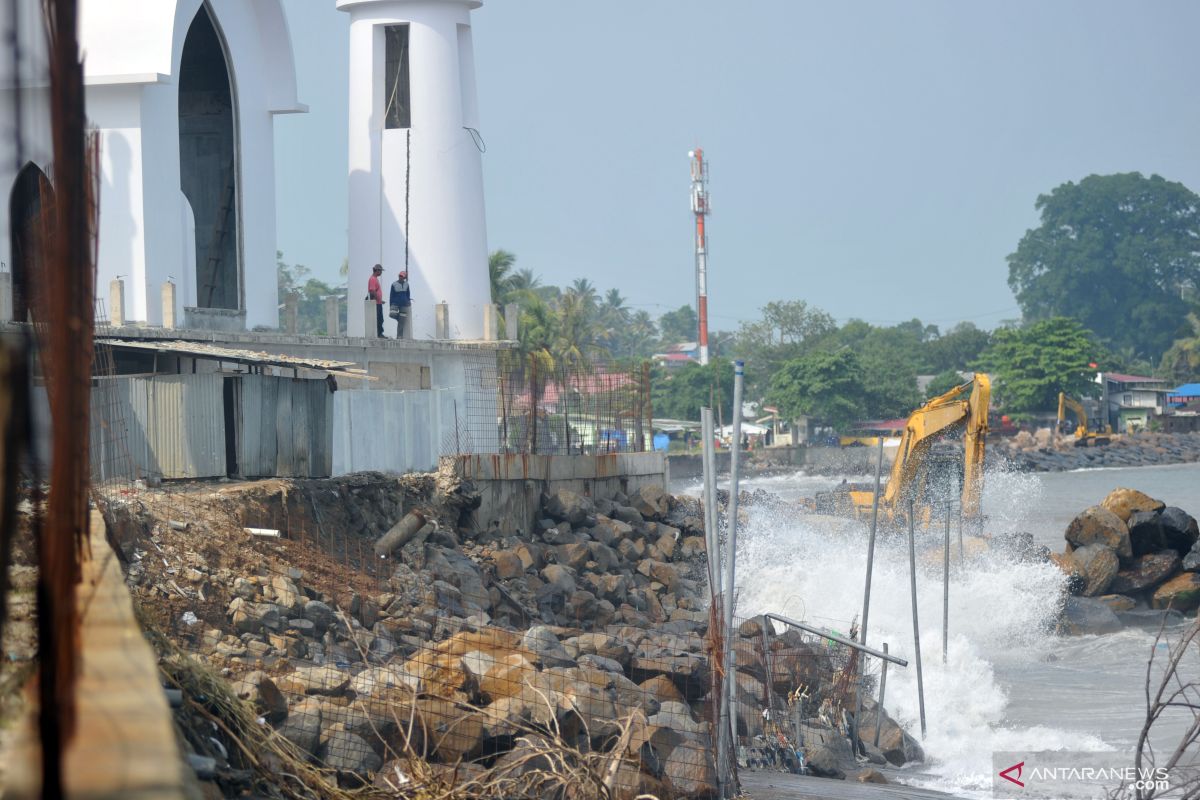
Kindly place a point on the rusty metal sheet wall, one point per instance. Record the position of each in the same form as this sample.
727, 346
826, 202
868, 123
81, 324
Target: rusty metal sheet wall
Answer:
283, 427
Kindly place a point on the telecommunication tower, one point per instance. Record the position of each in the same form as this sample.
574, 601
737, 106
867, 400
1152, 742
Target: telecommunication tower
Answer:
700, 209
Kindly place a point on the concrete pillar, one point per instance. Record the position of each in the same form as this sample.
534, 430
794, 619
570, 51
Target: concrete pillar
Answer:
441, 321
116, 302
512, 321
369, 329
333, 315
6, 301
291, 312
168, 304
491, 322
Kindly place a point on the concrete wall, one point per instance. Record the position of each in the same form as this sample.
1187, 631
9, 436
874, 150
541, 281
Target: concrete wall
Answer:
512, 485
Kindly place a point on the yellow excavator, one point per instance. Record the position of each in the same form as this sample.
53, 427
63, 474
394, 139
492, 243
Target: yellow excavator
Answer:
922, 472
1084, 437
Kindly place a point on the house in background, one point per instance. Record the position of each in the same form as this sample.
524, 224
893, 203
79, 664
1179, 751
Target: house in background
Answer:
677, 355
1131, 401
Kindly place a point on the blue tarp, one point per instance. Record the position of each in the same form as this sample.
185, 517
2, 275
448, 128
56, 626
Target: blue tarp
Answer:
662, 442
1180, 394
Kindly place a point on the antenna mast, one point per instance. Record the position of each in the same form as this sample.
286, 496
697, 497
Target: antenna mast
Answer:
700, 209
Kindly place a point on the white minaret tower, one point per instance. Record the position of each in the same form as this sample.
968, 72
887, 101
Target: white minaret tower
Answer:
416, 174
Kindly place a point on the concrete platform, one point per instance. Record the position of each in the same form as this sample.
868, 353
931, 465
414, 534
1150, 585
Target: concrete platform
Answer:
125, 744
782, 786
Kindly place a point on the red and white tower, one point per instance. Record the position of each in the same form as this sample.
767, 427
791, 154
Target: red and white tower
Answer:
700, 209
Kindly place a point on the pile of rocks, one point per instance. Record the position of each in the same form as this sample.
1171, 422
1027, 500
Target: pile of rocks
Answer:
1128, 553
1045, 452
482, 651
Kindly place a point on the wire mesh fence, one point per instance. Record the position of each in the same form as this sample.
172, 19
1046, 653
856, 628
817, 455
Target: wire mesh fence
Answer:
532, 403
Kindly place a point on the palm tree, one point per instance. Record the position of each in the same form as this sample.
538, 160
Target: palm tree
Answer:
1182, 361
586, 291
500, 264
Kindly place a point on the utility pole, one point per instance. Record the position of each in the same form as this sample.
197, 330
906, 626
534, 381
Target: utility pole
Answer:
700, 209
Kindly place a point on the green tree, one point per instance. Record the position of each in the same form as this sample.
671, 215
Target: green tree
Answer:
1116, 252
955, 349
1181, 363
311, 310
1031, 365
890, 361
942, 383
680, 325
827, 385
680, 392
787, 330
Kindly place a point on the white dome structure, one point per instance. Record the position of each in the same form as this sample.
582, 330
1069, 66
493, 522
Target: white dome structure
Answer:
416, 173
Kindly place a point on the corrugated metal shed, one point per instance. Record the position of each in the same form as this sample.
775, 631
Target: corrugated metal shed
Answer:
283, 426
169, 426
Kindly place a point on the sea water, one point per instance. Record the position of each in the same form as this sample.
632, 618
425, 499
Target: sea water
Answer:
1009, 683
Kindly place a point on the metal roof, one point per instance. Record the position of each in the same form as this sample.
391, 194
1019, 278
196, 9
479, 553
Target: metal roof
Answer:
345, 369
1121, 378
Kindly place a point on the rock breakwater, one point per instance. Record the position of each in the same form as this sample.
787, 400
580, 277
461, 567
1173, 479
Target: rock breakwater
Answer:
1047, 453
501, 661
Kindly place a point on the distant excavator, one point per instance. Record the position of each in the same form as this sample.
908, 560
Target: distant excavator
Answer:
1084, 437
926, 470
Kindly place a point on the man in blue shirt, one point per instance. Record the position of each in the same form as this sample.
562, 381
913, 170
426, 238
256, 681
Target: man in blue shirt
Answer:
401, 304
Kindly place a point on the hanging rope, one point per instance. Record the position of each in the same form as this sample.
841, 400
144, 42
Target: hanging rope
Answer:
407, 191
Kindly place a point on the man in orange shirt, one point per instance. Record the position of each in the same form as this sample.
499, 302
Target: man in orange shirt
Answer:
375, 292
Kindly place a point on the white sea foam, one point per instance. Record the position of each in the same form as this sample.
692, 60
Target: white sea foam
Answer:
813, 568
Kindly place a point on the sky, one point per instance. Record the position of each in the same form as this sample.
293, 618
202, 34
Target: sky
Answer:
878, 160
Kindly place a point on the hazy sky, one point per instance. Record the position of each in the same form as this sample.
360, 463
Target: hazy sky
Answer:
876, 159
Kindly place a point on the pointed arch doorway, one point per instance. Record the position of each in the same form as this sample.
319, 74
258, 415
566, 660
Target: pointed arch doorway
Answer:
208, 169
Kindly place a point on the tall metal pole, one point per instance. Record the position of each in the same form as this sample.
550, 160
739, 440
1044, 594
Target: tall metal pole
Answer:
912, 574
946, 587
711, 534
866, 610
712, 544
731, 548
700, 209
882, 694
960, 535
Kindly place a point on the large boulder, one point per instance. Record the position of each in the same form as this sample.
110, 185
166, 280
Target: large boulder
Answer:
325, 680
689, 769
1146, 533
1145, 572
1087, 615
303, 726
348, 752
455, 733
1075, 579
541, 641
1098, 525
1179, 529
1099, 565
897, 746
460, 572
1192, 560
651, 502
568, 506
1123, 502
1181, 593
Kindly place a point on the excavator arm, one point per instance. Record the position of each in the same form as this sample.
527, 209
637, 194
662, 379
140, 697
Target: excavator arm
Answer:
1067, 403
966, 404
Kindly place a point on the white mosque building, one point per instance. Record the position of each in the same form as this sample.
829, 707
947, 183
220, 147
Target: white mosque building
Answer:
184, 94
